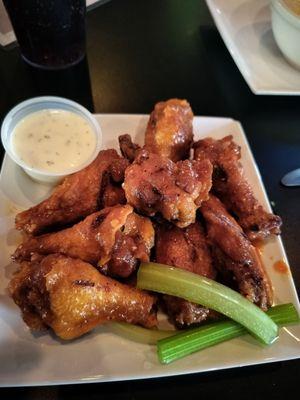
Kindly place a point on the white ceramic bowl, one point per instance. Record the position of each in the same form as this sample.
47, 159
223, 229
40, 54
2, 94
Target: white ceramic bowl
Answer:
286, 30
41, 103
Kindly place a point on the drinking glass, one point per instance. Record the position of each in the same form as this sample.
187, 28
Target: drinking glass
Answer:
50, 33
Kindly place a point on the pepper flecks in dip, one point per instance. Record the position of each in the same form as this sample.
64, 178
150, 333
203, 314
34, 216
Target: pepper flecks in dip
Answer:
53, 140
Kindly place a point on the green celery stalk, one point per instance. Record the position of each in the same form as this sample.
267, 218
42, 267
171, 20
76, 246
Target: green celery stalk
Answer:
192, 340
198, 289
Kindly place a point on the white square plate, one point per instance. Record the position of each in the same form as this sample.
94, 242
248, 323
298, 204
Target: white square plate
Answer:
101, 356
245, 26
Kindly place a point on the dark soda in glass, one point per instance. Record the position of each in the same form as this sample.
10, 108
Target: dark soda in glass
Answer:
51, 33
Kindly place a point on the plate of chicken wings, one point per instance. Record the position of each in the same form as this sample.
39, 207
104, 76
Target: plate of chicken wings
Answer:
170, 188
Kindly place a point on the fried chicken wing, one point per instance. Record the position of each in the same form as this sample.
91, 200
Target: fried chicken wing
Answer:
155, 184
79, 195
235, 256
116, 238
112, 195
230, 184
169, 131
72, 297
186, 249
90, 240
132, 246
128, 149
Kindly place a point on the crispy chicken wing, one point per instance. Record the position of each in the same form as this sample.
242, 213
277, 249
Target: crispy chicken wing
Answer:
72, 297
116, 238
79, 195
186, 249
170, 129
235, 256
156, 184
128, 149
112, 195
132, 246
230, 184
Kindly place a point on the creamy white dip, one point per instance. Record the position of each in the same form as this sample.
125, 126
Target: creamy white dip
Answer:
53, 140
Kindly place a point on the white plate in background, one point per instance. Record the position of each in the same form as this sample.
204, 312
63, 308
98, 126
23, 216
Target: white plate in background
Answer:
101, 356
245, 26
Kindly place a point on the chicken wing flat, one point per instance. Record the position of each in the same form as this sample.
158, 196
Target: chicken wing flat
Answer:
230, 184
169, 131
72, 297
115, 237
155, 184
235, 256
128, 149
79, 195
186, 249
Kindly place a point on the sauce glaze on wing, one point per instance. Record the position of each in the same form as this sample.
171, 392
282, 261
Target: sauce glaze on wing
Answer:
155, 184
72, 297
236, 258
116, 238
128, 149
169, 131
186, 249
79, 195
231, 186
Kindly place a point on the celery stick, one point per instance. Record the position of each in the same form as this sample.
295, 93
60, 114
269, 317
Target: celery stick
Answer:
190, 341
198, 289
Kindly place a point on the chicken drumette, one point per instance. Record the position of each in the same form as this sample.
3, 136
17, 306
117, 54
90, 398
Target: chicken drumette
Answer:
72, 297
169, 131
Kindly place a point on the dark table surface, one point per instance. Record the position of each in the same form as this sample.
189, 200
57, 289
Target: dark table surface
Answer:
140, 52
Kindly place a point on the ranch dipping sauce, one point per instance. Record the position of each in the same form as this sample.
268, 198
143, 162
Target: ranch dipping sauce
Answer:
53, 140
